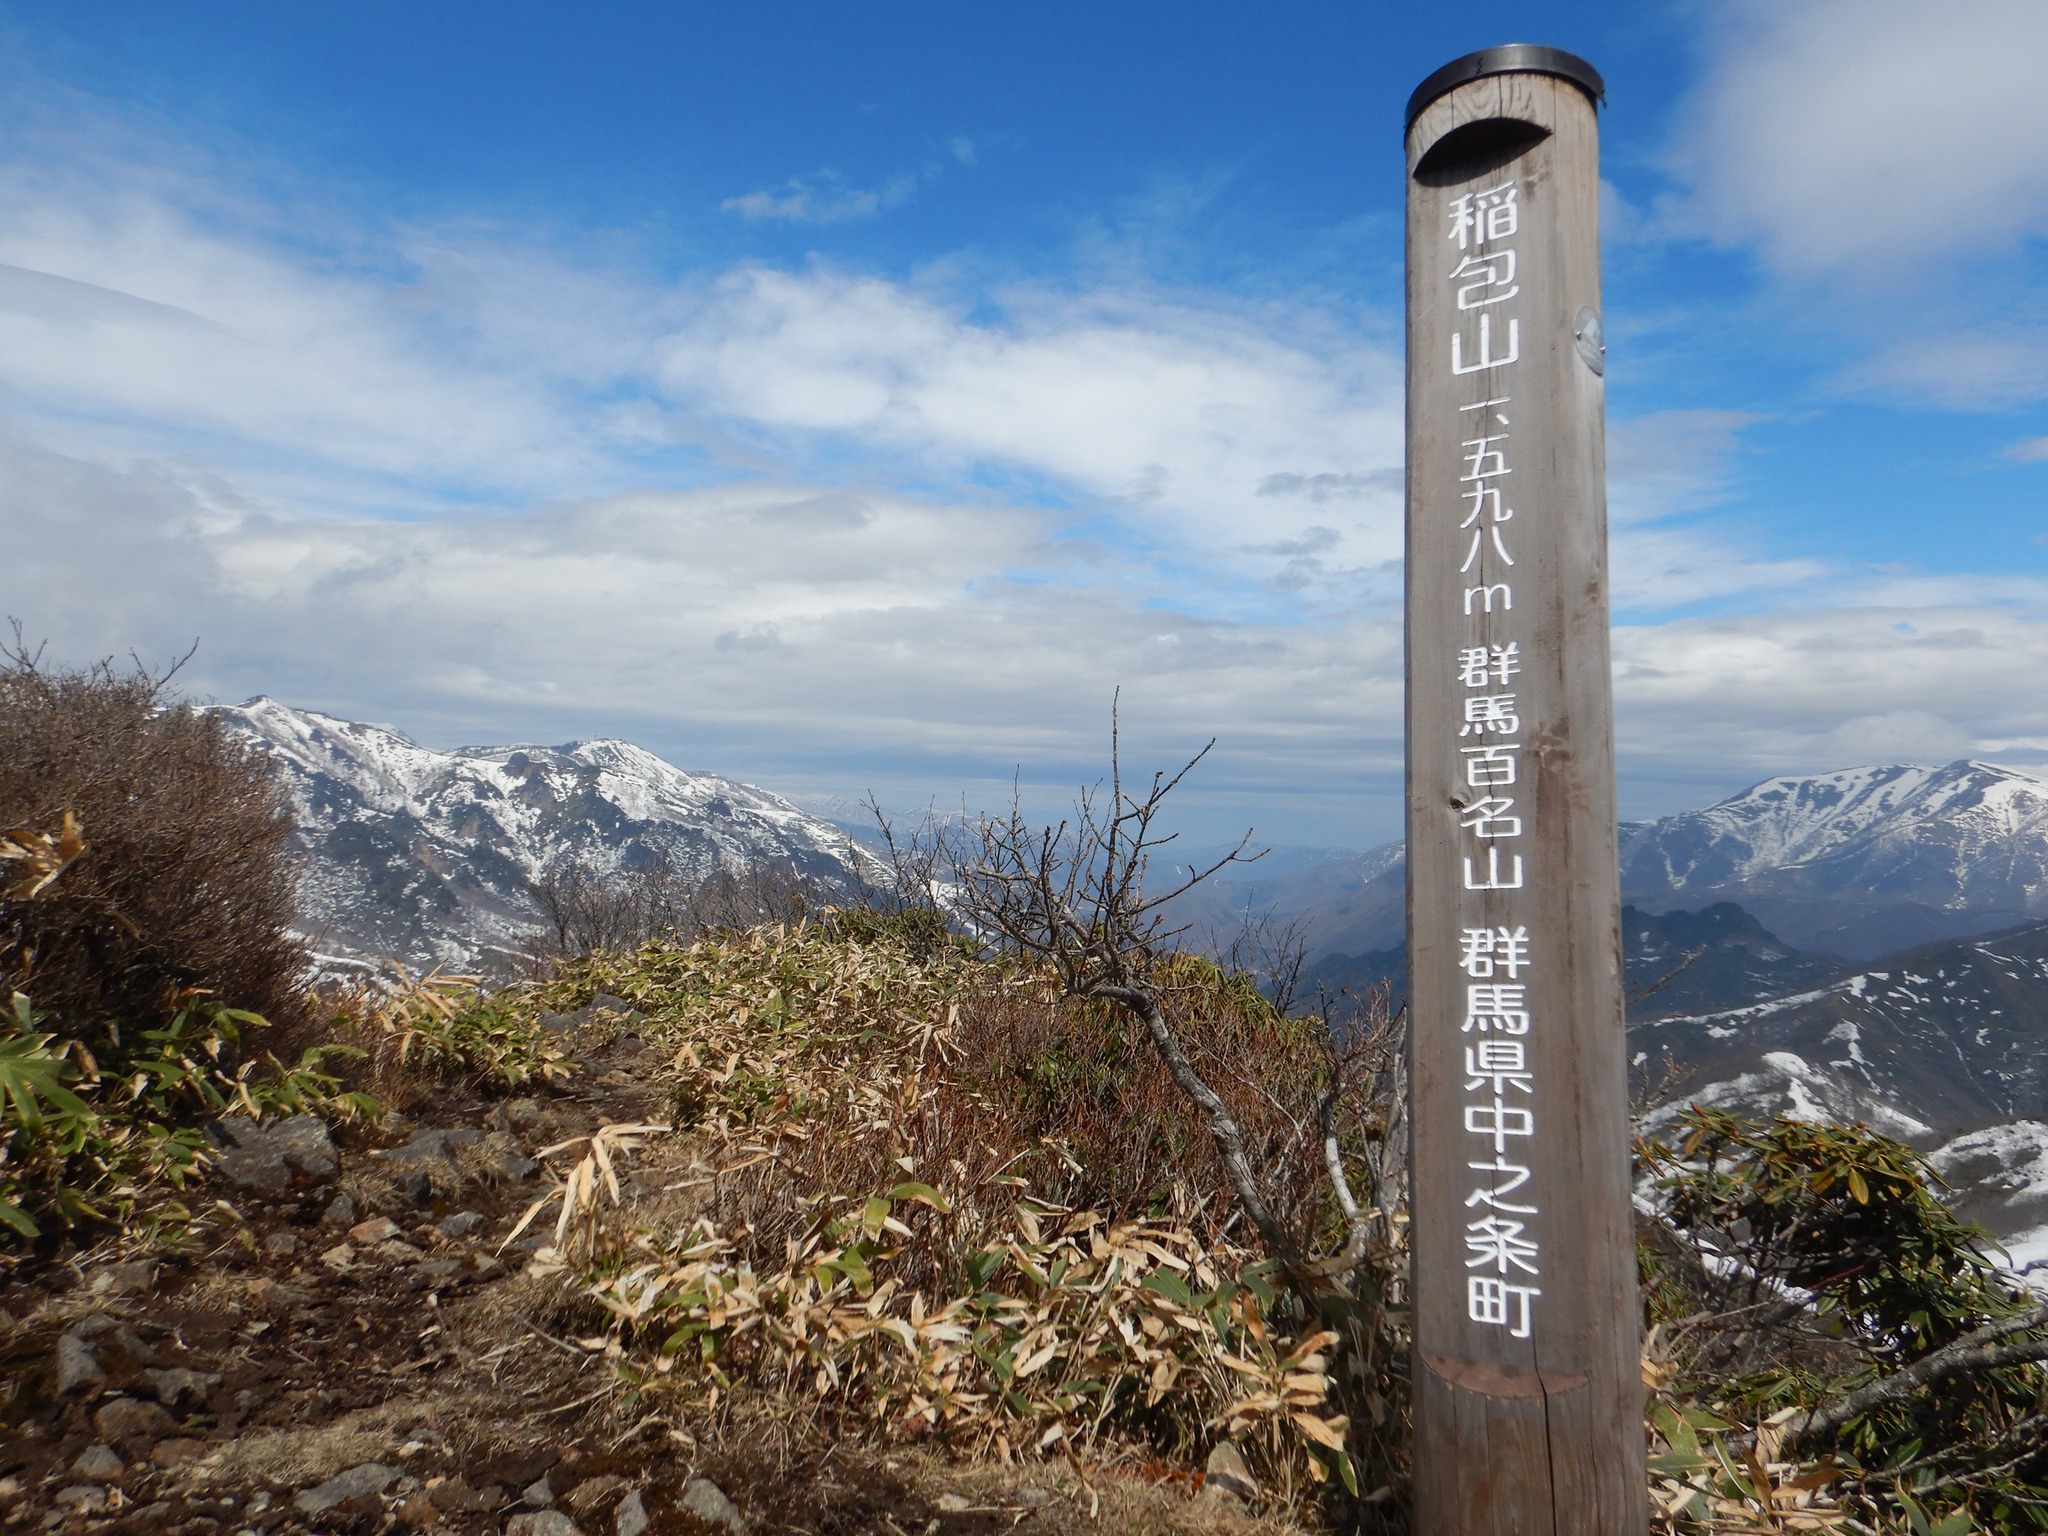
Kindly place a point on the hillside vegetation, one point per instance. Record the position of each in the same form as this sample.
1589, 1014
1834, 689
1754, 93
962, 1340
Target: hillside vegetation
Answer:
841, 1220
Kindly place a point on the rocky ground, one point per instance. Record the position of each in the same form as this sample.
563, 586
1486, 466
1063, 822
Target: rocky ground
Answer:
355, 1347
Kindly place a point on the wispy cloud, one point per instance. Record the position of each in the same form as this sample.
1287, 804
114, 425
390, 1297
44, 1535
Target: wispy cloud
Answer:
1918, 673
824, 198
1332, 487
1168, 413
1883, 160
1854, 139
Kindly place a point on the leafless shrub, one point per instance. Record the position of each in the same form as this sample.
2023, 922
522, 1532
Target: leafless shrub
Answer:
1270, 948
185, 878
587, 909
1074, 899
731, 901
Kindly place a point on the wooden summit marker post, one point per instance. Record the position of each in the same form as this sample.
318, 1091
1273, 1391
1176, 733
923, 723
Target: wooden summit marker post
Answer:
1528, 1398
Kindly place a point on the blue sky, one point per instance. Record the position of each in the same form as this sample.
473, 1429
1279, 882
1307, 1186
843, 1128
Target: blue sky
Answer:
850, 398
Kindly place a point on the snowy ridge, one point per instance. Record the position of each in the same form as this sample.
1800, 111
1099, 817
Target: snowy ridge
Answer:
425, 857
1966, 835
1945, 1046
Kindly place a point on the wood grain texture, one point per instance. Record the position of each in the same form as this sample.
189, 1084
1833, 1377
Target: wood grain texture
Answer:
1542, 1433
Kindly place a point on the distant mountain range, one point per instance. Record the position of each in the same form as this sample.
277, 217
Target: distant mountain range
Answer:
426, 857
1783, 896
1854, 864
1861, 862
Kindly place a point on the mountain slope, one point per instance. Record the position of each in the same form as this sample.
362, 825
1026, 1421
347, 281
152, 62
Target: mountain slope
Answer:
426, 856
1945, 1046
1718, 957
1861, 861
1674, 963
1949, 1036
1858, 863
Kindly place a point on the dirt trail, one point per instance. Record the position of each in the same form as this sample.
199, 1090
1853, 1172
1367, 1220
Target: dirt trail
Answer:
357, 1356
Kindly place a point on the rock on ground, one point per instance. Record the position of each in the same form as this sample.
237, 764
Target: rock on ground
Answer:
366, 1481
131, 1422
77, 1365
1227, 1473
98, 1464
264, 1157
707, 1501
178, 1388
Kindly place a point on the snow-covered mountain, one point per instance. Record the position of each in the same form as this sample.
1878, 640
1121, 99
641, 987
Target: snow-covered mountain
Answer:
425, 857
1945, 1046
1856, 864
1861, 861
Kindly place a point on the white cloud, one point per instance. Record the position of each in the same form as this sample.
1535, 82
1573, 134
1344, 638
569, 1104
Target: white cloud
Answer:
1670, 462
807, 636
1658, 569
1885, 160
1987, 366
159, 313
830, 640
1174, 414
1921, 670
1663, 469
824, 198
387, 471
1898, 735
457, 479
1850, 139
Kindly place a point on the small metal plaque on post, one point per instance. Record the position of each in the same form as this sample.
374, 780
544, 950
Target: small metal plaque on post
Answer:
1528, 1399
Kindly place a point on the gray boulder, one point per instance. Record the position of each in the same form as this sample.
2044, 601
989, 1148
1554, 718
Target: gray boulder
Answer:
98, 1464
77, 1366
367, 1481
264, 1157
180, 1388
707, 1501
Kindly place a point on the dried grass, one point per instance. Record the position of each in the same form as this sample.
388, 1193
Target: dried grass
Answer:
944, 1203
313, 1454
441, 1025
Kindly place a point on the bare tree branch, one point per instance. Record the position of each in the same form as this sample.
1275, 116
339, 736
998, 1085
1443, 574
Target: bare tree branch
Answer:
1979, 1351
1074, 895
1685, 964
1355, 1219
1143, 1003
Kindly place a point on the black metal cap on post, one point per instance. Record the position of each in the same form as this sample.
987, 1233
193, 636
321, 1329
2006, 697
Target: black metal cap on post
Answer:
1508, 59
